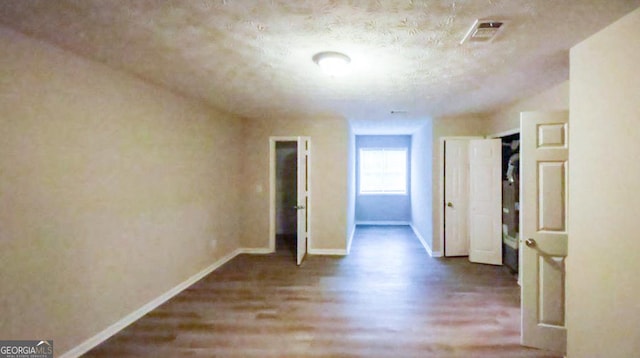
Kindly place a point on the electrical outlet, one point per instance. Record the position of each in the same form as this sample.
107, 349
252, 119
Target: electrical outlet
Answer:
213, 244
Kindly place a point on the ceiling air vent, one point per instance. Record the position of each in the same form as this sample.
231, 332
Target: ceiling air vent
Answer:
483, 31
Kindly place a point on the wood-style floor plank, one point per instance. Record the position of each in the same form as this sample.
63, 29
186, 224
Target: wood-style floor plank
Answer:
388, 298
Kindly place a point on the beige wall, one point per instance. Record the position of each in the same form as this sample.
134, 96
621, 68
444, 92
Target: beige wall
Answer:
422, 182
329, 154
471, 125
351, 185
111, 190
508, 117
603, 289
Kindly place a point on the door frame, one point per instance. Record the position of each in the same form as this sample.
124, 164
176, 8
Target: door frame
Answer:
273, 140
441, 204
504, 133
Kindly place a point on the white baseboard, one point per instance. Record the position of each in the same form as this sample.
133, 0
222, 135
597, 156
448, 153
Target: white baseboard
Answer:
263, 251
386, 223
105, 334
255, 251
350, 239
90, 343
330, 252
424, 243
422, 240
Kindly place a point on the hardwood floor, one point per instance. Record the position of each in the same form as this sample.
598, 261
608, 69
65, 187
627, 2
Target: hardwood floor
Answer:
387, 299
286, 245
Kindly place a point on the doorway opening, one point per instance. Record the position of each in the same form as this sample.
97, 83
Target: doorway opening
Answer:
286, 197
289, 195
511, 201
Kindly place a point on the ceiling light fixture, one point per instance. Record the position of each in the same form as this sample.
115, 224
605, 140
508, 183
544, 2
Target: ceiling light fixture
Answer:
332, 63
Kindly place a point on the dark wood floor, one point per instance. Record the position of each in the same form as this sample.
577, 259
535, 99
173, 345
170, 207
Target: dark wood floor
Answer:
387, 299
286, 245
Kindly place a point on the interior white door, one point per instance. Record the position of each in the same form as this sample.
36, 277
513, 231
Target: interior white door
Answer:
303, 197
543, 165
456, 191
485, 201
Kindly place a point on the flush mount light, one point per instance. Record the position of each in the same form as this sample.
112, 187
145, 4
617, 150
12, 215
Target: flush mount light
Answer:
332, 63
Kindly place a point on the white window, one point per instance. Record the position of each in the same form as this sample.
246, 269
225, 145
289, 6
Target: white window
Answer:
383, 171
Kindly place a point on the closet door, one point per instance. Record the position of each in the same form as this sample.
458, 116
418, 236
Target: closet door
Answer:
456, 197
485, 201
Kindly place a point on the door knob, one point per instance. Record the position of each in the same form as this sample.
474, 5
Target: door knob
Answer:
299, 207
450, 204
530, 242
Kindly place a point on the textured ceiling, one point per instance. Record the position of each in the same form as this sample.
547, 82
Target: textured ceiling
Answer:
253, 58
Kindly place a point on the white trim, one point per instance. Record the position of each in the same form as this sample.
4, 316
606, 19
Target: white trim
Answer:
309, 186
330, 252
505, 133
441, 184
424, 243
255, 251
105, 334
350, 239
384, 223
422, 240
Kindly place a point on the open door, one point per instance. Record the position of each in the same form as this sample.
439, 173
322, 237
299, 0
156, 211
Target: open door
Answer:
303, 197
456, 196
543, 194
485, 201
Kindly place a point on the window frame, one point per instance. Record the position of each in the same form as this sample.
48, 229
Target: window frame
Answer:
404, 150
